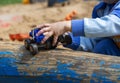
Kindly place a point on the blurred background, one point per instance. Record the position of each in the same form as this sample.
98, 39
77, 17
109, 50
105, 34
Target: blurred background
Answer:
20, 16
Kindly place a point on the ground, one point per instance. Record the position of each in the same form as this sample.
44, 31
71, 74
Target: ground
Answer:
20, 18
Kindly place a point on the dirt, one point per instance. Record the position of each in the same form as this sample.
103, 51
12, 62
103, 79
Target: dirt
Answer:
21, 18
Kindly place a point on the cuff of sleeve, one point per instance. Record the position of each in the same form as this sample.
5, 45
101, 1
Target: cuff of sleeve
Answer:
78, 27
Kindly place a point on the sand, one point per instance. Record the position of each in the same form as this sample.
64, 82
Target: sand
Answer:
21, 18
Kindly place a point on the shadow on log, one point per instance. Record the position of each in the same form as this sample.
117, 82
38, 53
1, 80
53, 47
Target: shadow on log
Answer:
60, 65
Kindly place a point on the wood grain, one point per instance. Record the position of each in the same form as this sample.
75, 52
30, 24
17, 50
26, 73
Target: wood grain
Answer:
58, 65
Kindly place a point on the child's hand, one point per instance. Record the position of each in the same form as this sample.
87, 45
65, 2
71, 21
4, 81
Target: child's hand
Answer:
54, 29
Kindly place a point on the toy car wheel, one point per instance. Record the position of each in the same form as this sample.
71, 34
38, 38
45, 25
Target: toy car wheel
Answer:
27, 43
33, 49
53, 47
49, 46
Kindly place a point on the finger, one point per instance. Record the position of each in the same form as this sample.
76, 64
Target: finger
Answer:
42, 25
55, 40
48, 34
43, 31
44, 39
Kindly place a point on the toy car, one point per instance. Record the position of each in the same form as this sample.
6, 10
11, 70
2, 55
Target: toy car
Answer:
34, 43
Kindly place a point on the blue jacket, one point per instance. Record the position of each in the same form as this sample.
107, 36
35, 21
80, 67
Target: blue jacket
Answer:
105, 22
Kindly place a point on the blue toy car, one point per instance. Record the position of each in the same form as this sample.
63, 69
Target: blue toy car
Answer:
34, 43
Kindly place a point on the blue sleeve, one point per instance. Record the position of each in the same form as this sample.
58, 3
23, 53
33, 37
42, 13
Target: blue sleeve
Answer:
78, 27
77, 31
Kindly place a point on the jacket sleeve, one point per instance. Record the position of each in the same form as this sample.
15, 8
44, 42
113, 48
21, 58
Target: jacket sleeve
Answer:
108, 25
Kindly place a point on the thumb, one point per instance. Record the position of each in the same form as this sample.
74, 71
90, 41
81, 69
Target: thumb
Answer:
55, 40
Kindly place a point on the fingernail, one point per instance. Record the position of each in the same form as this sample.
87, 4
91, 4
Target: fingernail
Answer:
36, 34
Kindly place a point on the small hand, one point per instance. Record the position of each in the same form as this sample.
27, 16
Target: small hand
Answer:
54, 29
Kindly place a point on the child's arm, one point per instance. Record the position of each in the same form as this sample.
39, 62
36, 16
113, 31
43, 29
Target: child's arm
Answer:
108, 25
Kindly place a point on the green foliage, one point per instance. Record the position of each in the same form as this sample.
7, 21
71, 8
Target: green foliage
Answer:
6, 2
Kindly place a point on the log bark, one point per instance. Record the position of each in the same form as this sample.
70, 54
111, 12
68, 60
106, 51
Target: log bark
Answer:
56, 66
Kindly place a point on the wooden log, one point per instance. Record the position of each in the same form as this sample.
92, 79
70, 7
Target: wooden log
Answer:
60, 65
